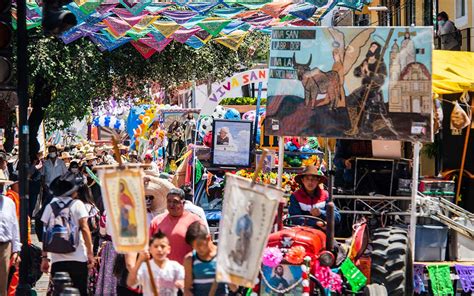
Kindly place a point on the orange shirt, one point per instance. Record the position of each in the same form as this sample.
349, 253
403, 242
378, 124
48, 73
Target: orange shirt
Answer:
16, 199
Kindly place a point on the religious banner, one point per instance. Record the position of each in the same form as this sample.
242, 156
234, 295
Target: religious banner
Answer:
248, 214
351, 82
124, 199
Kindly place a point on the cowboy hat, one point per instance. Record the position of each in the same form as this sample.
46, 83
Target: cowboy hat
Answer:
4, 180
311, 170
90, 156
65, 155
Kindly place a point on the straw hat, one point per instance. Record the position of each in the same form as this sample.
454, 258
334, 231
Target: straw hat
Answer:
158, 188
90, 156
4, 180
65, 155
122, 147
311, 170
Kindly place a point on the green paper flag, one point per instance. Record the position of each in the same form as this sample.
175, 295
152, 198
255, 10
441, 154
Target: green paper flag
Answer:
440, 276
214, 25
353, 275
198, 170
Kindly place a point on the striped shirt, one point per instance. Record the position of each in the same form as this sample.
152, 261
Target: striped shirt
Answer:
204, 274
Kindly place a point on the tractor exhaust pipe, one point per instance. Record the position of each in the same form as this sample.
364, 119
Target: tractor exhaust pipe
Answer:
330, 214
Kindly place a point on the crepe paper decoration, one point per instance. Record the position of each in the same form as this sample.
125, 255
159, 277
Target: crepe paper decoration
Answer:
90, 6
232, 41
105, 8
235, 25
135, 35
328, 279
202, 8
166, 28
419, 278
145, 22
158, 45
117, 26
104, 43
440, 276
272, 257
195, 42
182, 35
156, 8
136, 8
228, 12
179, 16
295, 255
203, 35
252, 5
353, 275
214, 25
127, 16
275, 8
466, 277
193, 22
71, 35
157, 35
303, 11
143, 49
246, 14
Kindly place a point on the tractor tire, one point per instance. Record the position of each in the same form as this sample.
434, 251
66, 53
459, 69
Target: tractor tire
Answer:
392, 264
375, 290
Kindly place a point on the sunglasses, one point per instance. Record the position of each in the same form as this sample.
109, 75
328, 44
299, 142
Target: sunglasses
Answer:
149, 197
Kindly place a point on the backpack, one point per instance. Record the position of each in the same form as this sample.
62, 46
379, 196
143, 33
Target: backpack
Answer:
457, 34
60, 233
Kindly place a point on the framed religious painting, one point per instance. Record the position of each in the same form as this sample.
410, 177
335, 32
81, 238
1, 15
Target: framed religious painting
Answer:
124, 200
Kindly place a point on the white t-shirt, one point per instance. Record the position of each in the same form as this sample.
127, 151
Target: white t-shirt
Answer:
164, 278
78, 211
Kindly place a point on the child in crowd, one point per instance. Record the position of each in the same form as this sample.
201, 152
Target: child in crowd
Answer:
168, 274
200, 264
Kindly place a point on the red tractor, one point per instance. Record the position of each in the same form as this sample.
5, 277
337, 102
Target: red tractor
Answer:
382, 254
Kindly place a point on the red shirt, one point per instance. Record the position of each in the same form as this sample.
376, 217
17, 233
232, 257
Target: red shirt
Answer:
175, 230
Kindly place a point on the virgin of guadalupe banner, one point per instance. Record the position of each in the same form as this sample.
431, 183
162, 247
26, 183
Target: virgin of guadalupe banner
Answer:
351, 82
124, 199
247, 219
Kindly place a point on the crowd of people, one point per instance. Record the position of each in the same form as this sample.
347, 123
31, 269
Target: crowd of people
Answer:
68, 217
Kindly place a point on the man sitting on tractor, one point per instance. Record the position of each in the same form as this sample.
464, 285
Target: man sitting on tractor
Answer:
310, 199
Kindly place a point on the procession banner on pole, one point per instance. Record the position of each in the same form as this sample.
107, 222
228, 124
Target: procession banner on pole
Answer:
351, 82
124, 198
248, 214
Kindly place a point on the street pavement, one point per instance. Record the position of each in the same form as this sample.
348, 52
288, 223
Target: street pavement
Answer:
42, 285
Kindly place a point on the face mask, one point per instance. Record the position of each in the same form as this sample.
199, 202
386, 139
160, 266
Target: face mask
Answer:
52, 155
74, 170
441, 23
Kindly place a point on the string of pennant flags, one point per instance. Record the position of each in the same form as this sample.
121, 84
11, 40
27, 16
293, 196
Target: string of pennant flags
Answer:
150, 26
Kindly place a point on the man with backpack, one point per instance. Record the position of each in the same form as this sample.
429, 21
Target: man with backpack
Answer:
451, 38
67, 242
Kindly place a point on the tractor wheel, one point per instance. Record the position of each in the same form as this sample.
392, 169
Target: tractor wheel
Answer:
392, 264
375, 290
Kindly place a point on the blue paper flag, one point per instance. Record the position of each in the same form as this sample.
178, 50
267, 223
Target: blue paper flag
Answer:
195, 42
303, 11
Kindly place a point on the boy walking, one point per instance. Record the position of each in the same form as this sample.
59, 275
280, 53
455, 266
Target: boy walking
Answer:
168, 274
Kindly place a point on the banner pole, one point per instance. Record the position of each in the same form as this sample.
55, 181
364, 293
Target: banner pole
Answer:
259, 97
281, 157
414, 192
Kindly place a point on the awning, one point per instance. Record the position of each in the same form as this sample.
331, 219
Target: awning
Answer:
453, 71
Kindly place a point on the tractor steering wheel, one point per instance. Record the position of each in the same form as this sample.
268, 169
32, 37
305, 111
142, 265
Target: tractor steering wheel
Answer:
305, 218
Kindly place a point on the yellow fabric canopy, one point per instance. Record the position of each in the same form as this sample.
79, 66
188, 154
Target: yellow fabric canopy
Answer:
453, 71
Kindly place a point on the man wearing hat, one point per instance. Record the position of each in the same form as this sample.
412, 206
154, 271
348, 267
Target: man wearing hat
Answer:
10, 245
66, 157
311, 198
76, 263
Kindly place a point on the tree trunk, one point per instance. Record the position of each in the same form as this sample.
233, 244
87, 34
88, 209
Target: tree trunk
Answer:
40, 101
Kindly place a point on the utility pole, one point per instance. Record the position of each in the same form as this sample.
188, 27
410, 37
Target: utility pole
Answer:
24, 289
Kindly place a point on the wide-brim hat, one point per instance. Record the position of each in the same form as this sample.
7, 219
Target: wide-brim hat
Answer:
90, 156
311, 170
4, 180
65, 155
